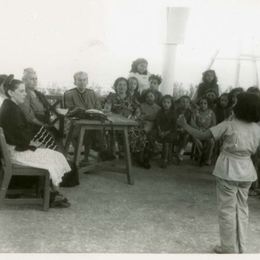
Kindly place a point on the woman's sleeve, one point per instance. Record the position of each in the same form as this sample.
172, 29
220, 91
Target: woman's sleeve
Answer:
193, 120
27, 110
15, 130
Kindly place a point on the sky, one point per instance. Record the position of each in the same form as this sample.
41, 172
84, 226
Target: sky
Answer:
103, 37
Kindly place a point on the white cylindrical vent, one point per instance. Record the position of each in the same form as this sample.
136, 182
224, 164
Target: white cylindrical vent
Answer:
169, 67
176, 24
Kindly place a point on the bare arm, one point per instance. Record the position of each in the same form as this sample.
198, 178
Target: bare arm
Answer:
214, 120
201, 135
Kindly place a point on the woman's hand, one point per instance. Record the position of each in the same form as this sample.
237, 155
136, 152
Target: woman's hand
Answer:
35, 143
181, 121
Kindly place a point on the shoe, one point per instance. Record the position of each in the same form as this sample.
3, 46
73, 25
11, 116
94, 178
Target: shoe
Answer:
59, 204
253, 193
57, 196
84, 162
208, 163
164, 164
180, 157
147, 165
218, 250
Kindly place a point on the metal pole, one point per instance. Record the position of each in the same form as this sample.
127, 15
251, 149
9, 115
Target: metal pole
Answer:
213, 59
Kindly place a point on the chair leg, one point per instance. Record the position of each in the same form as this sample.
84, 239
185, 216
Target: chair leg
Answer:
46, 196
4, 187
39, 187
170, 153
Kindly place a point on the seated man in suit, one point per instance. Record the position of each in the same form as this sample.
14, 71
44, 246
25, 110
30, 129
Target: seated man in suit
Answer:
84, 98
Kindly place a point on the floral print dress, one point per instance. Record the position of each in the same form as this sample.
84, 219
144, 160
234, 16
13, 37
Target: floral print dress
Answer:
128, 107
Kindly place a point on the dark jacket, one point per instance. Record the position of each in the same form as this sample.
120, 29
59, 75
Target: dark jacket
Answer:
203, 88
166, 120
17, 130
222, 113
31, 114
86, 100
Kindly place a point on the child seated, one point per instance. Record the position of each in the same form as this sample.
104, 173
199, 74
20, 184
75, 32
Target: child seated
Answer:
203, 119
154, 81
165, 124
212, 99
222, 110
184, 108
133, 91
232, 96
148, 111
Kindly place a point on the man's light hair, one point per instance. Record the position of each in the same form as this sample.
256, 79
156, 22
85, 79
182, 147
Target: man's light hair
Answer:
78, 74
27, 72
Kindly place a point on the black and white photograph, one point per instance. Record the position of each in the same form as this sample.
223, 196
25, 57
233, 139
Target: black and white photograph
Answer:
129, 129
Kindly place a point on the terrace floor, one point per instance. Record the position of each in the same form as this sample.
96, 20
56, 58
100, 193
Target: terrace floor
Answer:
166, 211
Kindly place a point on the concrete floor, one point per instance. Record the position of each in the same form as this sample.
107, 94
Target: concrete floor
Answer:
166, 211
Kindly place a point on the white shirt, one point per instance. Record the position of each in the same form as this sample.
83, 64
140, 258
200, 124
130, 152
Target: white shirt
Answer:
143, 80
240, 141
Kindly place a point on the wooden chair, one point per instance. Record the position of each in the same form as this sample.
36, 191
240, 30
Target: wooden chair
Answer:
10, 169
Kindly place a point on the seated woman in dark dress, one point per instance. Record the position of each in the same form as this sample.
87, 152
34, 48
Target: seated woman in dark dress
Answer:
26, 144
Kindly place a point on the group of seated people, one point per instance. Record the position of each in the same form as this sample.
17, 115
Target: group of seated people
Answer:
25, 119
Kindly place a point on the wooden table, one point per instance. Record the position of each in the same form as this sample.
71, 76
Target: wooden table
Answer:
120, 124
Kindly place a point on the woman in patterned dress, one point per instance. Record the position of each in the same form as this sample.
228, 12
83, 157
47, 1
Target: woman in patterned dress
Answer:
122, 103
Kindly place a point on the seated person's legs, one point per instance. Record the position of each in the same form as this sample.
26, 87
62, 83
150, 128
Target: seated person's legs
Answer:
208, 147
183, 140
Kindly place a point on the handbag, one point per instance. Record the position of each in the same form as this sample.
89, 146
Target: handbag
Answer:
89, 114
70, 179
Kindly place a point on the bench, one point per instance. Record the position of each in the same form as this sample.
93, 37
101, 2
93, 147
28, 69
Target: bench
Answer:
9, 169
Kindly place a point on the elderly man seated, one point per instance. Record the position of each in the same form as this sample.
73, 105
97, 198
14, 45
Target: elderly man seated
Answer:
84, 98
36, 107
